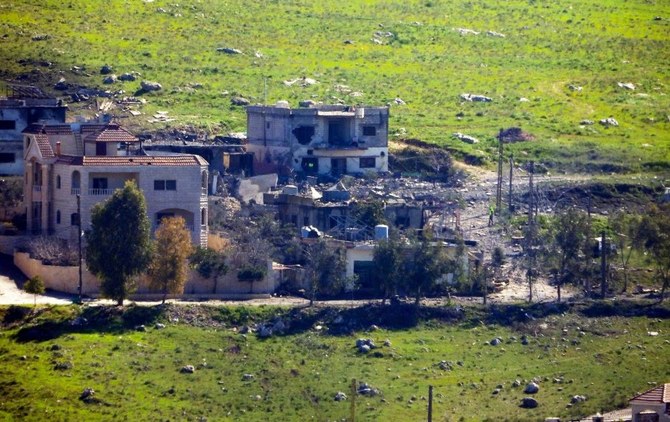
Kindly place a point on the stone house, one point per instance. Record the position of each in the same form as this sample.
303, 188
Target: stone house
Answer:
19, 108
652, 405
318, 139
87, 161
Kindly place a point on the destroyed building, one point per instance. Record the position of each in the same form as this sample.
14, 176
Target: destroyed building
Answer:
318, 139
20, 107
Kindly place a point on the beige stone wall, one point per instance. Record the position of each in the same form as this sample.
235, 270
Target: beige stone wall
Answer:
8, 243
62, 279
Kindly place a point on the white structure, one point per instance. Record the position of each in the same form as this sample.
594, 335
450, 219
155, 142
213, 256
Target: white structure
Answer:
318, 139
90, 161
652, 405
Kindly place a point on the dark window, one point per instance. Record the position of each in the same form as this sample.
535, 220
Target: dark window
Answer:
74, 219
58, 182
367, 162
162, 215
267, 125
305, 221
99, 183
365, 271
294, 220
7, 124
165, 185
100, 148
58, 217
304, 134
369, 131
7, 157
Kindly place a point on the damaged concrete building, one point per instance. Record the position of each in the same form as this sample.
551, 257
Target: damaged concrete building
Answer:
318, 139
20, 107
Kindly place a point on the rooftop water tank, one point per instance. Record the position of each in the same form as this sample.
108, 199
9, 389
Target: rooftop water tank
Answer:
290, 190
381, 232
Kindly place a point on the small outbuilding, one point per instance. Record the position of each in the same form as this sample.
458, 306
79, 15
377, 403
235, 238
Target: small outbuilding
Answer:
652, 405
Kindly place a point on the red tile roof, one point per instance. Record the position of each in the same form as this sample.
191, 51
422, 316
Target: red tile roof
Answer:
57, 129
110, 133
44, 145
660, 394
173, 160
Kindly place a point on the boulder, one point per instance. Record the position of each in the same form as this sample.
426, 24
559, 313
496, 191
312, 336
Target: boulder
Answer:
127, 77
149, 86
229, 50
140, 328
61, 85
475, 98
340, 396
264, 332
187, 369
529, 403
240, 101
586, 122
496, 341
626, 85
367, 390
109, 79
247, 377
610, 121
88, 392
106, 70
577, 399
159, 326
531, 388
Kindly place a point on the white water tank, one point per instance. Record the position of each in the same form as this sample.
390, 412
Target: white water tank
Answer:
290, 190
381, 232
360, 113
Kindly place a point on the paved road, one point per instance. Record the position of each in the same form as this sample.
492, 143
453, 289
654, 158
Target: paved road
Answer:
11, 281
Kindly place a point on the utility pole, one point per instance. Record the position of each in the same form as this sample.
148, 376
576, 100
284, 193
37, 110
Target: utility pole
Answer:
352, 409
603, 264
79, 234
500, 173
430, 403
511, 171
530, 232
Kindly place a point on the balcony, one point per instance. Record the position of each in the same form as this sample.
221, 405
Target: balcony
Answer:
37, 188
75, 191
100, 192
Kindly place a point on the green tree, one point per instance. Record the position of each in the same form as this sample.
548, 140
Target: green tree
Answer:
169, 268
387, 265
570, 233
325, 268
34, 286
209, 264
369, 213
654, 231
626, 237
11, 192
425, 263
118, 244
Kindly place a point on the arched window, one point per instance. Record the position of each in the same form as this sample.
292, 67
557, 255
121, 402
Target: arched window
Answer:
58, 182
76, 182
204, 180
203, 216
58, 217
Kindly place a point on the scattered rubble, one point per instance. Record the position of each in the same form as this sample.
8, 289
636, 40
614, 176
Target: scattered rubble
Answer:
109, 79
302, 82
610, 121
495, 34
340, 396
465, 138
148, 86
529, 403
575, 88
187, 369
364, 345
475, 98
229, 50
466, 31
367, 390
626, 85
127, 77
531, 388
106, 70
239, 101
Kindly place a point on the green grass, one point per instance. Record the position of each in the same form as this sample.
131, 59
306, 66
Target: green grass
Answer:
547, 46
136, 374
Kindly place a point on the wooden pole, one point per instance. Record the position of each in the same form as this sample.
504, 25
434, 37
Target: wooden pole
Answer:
430, 403
352, 415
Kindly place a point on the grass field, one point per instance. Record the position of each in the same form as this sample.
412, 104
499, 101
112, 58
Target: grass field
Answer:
418, 56
598, 350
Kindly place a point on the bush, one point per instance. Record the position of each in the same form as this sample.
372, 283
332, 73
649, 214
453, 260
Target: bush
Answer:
51, 251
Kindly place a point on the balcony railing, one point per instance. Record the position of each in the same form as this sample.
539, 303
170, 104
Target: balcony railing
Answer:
100, 191
37, 188
75, 191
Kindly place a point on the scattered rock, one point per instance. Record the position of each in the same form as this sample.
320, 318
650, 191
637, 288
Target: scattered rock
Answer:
399, 101
229, 50
373, 327
610, 121
466, 31
127, 77
55, 347
106, 70
524, 340
187, 369
258, 54
247, 377
496, 391
63, 366
264, 332
475, 98
239, 101
303, 82
110, 79
340, 396
149, 86
307, 104
387, 343
366, 390
586, 122
364, 345
529, 403
577, 399
496, 341
575, 88
626, 85
61, 85
141, 328
88, 392
349, 42
445, 365
531, 388
159, 326
465, 138
495, 34
41, 37
516, 383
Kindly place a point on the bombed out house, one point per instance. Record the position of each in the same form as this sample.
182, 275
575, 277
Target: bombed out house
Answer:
318, 139
20, 107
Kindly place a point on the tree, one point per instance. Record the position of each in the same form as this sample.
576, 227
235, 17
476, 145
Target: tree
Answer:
118, 243
387, 265
626, 237
325, 269
209, 263
424, 265
169, 269
570, 231
34, 286
11, 191
654, 231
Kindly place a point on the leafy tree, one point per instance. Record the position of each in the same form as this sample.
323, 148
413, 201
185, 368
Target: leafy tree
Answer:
209, 263
424, 265
369, 213
325, 269
118, 244
169, 269
11, 192
654, 231
34, 286
570, 232
387, 265
626, 237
